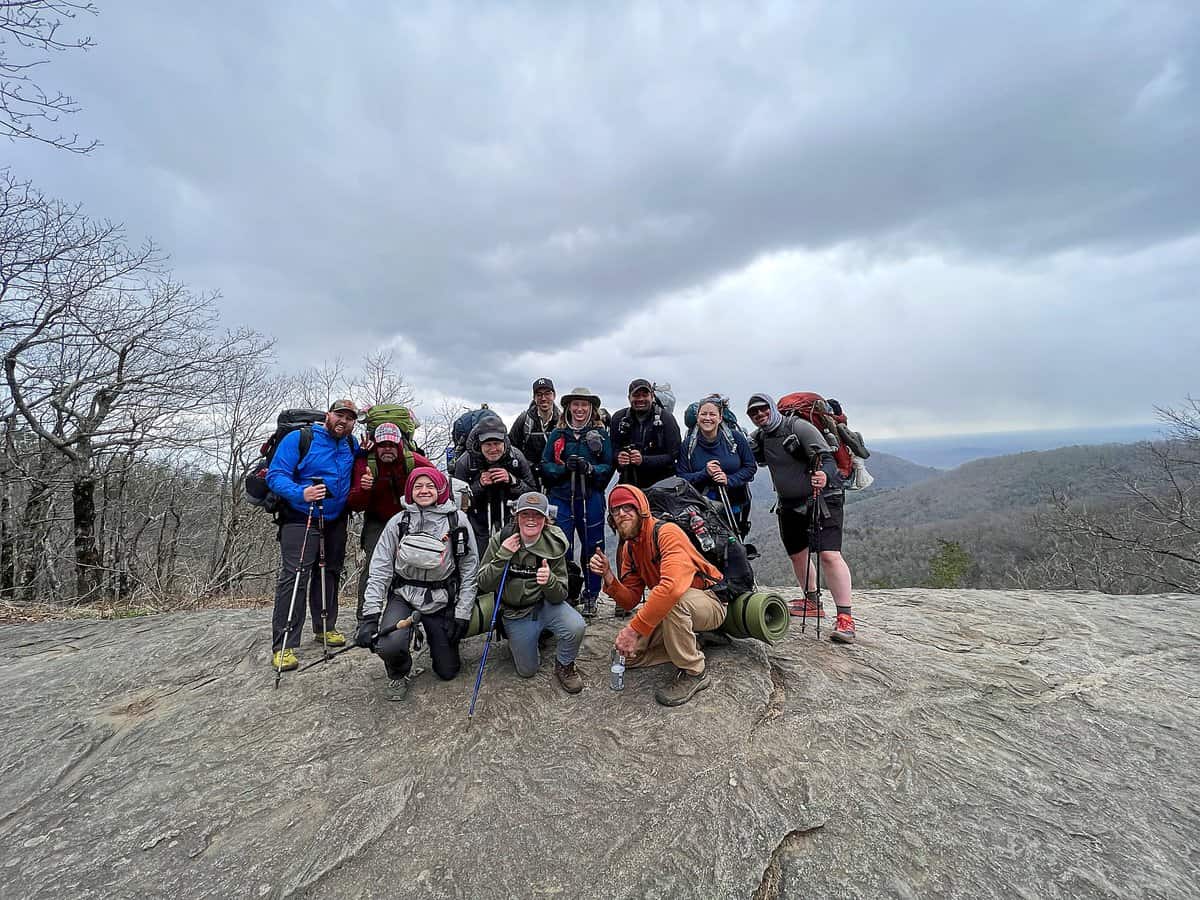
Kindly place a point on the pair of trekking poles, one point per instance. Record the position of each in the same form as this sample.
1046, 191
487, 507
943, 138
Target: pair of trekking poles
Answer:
589, 603
319, 506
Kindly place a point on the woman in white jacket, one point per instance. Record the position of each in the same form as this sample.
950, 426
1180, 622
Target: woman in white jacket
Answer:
425, 562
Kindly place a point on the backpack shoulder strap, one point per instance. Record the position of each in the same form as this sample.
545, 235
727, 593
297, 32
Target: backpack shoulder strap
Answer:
658, 524
304, 444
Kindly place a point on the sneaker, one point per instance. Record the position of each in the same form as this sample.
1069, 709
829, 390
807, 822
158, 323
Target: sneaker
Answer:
682, 688
397, 689
333, 637
806, 608
568, 676
285, 660
843, 629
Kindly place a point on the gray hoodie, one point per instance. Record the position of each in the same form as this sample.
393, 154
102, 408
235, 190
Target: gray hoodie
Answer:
791, 476
435, 521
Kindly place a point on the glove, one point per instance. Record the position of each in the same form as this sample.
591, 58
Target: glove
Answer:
595, 442
579, 464
457, 629
364, 635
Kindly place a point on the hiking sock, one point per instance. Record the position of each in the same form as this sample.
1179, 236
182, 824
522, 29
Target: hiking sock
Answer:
843, 611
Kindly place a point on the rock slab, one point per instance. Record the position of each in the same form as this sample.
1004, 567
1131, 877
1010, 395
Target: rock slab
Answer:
971, 744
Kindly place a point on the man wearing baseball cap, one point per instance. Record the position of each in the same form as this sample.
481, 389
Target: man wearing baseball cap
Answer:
532, 428
659, 556
535, 552
378, 494
319, 481
645, 438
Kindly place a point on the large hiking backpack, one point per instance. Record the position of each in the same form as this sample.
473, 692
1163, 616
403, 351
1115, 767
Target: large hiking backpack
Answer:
465, 424
676, 500
254, 480
829, 419
665, 397
402, 418
729, 424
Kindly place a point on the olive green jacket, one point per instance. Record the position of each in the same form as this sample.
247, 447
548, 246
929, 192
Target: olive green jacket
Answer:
521, 590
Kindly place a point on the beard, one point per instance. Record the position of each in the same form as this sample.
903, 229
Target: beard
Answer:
629, 528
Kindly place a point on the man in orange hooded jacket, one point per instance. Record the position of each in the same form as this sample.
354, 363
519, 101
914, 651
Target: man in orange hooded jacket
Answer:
659, 556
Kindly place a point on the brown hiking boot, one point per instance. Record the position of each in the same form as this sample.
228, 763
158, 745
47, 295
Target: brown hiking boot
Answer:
568, 676
682, 688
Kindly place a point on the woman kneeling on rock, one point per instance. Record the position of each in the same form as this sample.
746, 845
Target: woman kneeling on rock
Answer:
535, 553
423, 570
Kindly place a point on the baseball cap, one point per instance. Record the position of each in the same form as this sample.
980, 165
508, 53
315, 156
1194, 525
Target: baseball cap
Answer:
387, 432
534, 501
344, 405
543, 384
640, 384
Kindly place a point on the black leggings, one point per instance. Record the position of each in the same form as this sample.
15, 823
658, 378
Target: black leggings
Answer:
393, 649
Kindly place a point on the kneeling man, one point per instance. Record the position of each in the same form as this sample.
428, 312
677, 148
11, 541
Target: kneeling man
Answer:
659, 556
535, 552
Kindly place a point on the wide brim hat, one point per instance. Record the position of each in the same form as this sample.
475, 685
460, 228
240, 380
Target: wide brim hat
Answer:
580, 393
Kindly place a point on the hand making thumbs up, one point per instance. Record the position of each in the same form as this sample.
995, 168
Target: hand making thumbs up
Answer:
543, 572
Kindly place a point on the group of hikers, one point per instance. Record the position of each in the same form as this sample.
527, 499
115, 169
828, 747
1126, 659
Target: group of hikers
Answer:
532, 494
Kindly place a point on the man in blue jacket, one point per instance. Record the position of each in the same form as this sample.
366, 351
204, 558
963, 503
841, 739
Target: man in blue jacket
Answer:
329, 457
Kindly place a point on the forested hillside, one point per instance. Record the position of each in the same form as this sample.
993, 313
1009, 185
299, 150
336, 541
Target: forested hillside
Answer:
974, 526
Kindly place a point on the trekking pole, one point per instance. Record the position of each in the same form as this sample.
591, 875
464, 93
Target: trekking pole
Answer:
321, 566
295, 589
413, 619
487, 644
814, 546
728, 510
589, 605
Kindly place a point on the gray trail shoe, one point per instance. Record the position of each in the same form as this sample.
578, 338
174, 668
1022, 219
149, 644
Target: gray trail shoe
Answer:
682, 688
397, 689
568, 676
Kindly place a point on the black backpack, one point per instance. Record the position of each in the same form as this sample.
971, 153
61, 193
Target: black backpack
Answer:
255, 478
465, 424
677, 501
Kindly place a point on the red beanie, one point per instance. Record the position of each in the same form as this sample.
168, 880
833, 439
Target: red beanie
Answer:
439, 482
623, 495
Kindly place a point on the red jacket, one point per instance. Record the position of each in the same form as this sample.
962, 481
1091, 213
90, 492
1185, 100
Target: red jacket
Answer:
382, 501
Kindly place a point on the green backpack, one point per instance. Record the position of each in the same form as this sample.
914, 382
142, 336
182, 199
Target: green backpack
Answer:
402, 418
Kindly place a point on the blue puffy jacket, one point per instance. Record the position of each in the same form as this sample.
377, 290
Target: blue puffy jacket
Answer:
326, 458
564, 443
737, 461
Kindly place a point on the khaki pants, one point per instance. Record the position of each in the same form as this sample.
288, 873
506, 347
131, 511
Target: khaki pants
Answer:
674, 640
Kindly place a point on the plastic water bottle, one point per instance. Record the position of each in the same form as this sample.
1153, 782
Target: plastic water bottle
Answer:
700, 530
617, 682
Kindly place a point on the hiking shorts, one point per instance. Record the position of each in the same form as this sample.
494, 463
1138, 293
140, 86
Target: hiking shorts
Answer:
794, 527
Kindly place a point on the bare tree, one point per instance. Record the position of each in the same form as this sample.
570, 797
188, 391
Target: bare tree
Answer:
30, 31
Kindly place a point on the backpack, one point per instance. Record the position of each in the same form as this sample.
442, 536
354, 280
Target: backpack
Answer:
829, 419
254, 480
677, 501
457, 547
665, 397
402, 418
465, 424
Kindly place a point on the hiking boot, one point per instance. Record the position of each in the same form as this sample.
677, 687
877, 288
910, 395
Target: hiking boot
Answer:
397, 689
682, 688
333, 637
843, 629
807, 607
568, 676
621, 612
589, 607
285, 660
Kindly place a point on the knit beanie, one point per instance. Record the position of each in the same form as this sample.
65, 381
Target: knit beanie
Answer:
623, 495
439, 482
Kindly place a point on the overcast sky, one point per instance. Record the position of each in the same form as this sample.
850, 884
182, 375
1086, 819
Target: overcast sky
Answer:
952, 216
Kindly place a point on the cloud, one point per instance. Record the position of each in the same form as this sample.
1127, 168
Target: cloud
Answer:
598, 192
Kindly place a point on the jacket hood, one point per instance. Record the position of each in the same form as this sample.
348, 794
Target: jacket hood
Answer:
474, 444
626, 493
775, 419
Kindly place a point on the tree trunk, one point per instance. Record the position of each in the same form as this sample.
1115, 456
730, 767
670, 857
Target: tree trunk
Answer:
87, 551
8, 539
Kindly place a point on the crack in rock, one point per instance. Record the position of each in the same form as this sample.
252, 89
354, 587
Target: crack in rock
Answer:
772, 879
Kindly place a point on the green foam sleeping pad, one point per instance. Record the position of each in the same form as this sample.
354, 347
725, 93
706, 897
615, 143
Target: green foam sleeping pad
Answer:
759, 615
481, 614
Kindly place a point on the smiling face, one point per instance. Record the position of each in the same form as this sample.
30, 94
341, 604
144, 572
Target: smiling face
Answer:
581, 412
708, 418
387, 452
544, 401
640, 400
340, 423
492, 450
530, 523
759, 415
627, 520
424, 491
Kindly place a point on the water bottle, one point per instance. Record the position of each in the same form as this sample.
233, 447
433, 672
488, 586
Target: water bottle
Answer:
700, 531
617, 682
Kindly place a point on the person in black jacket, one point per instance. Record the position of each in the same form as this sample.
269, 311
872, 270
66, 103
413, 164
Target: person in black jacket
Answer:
532, 428
497, 472
645, 438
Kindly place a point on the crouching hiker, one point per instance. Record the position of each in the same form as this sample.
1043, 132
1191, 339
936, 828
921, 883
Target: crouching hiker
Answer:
659, 556
803, 471
426, 561
535, 551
